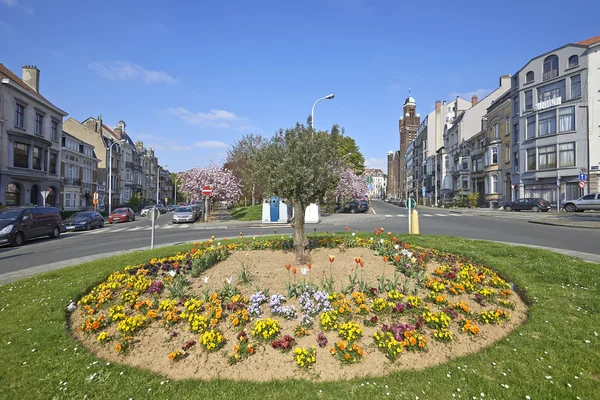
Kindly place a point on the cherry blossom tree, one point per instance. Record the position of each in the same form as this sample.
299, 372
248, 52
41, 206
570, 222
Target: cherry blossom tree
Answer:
350, 185
224, 184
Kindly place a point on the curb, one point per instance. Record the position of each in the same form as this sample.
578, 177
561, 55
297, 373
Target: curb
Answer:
566, 225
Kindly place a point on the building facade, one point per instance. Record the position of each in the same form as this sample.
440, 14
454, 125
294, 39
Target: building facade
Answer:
30, 141
551, 129
378, 182
408, 124
593, 58
79, 170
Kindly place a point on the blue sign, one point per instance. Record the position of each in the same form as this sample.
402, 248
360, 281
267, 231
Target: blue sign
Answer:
582, 177
370, 186
423, 191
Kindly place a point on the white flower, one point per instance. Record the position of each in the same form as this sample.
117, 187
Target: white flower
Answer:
218, 244
172, 273
381, 241
353, 233
396, 246
304, 270
229, 280
205, 279
71, 307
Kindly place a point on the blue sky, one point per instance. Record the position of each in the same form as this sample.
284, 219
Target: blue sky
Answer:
190, 79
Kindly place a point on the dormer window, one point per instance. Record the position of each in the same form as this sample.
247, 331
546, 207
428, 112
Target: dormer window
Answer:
550, 67
530, 77
573, 61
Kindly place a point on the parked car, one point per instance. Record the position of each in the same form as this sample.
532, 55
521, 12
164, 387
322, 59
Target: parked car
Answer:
365, 204
352, 207
587, 202
197, 209
20, 224
84, 220
121, 214
534, 204
170, 208
161, 208
145, 210
184, 214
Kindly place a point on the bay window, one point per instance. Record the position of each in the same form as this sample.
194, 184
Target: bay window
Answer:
21, 155
547, 157
566, 119
531, 166
530, 127
551, 91
547, 123
567, 154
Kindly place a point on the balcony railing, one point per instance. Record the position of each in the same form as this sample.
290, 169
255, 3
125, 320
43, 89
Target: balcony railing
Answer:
72, 181
550, 74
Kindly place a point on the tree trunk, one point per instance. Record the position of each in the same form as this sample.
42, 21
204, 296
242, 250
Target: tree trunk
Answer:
300, 242
253, 196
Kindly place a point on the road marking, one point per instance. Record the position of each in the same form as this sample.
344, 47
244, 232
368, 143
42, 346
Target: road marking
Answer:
400, 215
388, 215
169, 226
373, 210
96, 232
441, 215
117, 230
184, 226
427, 215
137, 228
459, 215
149, 228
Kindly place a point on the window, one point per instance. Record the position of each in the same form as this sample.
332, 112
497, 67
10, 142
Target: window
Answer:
67, 199
37, 158
54, 131
575, 86
528, 100
566, 119
530, 127
516, 105
573, 61
20, 116
507, 153
531, 160
552, 91
507, 125
547, 157
494, 155
567, 154
589, 197
494, 185
516, 162
550, 67
13, 194
547, 123
496, 130
21, 155
530, 77
516, 132
53, 163
465, 164
465, 183
39, 121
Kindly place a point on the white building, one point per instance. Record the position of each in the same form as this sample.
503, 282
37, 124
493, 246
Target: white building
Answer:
30, 140
79, 167
378, 182
593, 57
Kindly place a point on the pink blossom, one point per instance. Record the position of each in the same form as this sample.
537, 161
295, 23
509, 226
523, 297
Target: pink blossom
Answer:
224, 184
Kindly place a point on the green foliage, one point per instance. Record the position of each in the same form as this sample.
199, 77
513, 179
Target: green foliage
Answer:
460, 201
473, 200
244, 160
349, 151
178, 287
135, 202
247, 213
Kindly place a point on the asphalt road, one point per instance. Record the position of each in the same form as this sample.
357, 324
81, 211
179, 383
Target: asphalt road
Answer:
43, 254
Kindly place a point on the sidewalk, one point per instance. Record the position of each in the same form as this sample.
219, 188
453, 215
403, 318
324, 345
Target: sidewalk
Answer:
588, 220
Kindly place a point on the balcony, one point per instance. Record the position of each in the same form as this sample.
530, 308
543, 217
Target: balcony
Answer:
71, 182
550, 75
477, 151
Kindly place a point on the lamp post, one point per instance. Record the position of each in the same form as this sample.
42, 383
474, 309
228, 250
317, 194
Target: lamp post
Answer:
110, 174
312, 117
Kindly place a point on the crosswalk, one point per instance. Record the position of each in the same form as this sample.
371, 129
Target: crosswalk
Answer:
429, 215
140, 229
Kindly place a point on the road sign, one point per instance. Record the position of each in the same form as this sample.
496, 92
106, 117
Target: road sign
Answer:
582, 184
369, 179
412, 203
370, 186
423, 191
153, 213
206, 190
582, 177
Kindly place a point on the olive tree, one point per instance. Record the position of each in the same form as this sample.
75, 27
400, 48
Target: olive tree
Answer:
301, 165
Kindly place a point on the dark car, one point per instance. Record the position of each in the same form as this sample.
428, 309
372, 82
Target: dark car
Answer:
353, 207
121, 214
84, 220
20, 224
534, 204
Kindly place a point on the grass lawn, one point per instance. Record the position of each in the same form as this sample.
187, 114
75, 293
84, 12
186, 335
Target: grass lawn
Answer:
247, 213
555, 354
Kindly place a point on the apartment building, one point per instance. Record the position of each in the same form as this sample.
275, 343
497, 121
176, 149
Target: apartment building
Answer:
79, 170
30, 141
551, 129
378, 181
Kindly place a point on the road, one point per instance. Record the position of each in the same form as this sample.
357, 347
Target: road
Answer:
38, 255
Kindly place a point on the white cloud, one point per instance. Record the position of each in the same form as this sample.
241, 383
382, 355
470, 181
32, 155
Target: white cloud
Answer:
15, 3
217, 118
480, 93
126, 70
375, 162
210, 144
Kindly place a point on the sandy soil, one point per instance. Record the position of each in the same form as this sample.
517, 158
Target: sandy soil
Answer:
268, 271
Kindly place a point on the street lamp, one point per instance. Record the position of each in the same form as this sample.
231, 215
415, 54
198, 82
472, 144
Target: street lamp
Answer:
158, 180
312, 118
110, 174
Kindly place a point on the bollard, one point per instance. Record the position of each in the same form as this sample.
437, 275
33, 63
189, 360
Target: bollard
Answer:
414, 219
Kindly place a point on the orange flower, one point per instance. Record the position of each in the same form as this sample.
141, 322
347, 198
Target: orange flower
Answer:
421, 344
214, 321
218, 314
406, 246
331, 258
357, 260
309, 266
251, 349
413, 341
294, 270
360, 352
475, 329
236, 321
341, 345
341, 310
175, 265
172, 356
396, 258
288, 266
385, 258
362, 263
355, 347
193, 251
119, 347
347, 356
236, 348
332, 351
260, 233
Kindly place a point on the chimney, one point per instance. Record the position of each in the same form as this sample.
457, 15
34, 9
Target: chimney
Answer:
438, 105
31, 76
474, 100
119, 132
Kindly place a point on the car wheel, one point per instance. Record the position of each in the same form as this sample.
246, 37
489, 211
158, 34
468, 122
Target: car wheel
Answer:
88, 227
570, 208
55, 232
353, 211
174, 223
535, 209
507, 208
546, 210
133, 218
18, 239
101, 224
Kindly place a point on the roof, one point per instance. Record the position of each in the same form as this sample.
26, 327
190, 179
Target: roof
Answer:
410, 101
6, 73
590, 41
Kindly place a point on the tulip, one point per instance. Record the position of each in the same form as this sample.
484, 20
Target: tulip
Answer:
294, 270
288, 266
331, 258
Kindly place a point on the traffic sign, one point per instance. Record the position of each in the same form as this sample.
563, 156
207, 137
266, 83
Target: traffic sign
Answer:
153, 213
369, 179
206, 190
582, 177
423, 191
582, 184
412, 203
370, 186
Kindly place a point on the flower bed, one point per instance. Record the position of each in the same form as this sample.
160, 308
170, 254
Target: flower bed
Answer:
363, 307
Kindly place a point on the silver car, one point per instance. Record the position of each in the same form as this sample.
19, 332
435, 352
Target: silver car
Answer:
587, 202
184, 214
